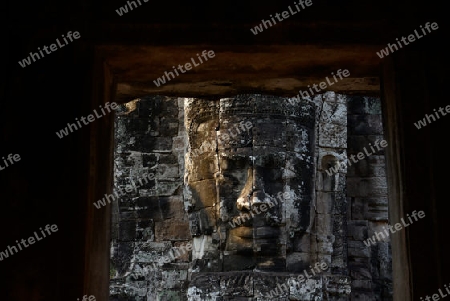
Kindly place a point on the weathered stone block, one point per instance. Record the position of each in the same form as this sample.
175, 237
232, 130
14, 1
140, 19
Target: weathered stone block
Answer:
301, 141
157, 246
148, 207
167, 159
169, 295
149, 160
164, 188
239, 285
364, 105
127, 230
366, 168
365, 125
173, 279
325, 202
202, 222
356, 144
204, 247
182, 251
337, 286
172, 230
145, 230
206, 170
168, 126
198, 294
172, 208
324, 224
310, 289
203, 194
122, 255
325, 247
333, 135
179, 144
297, 262
362, 284
358, 249
165, 171
366, 187
333, 113
361, 269
302, 243
339, 225
381, 228
271, 263
385, 259
377, 204
127, 215
357, 230
270, 287
155, 144
340, 204
363, 296
212, 264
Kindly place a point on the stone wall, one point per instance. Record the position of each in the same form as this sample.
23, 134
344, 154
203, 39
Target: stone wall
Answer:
370, 267
150, 233
170, 237
331, 204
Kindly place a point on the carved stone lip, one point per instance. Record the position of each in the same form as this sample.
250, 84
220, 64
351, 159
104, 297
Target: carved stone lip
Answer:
243, 232
252, 232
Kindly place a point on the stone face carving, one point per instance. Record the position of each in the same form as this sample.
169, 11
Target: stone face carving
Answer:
251, 191
241, 206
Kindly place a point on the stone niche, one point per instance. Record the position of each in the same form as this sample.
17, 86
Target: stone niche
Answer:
240, 206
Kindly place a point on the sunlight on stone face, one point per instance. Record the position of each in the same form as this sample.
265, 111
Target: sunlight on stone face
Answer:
252, 188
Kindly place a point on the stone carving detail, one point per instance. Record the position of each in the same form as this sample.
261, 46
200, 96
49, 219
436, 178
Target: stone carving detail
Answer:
253, 190
241, 204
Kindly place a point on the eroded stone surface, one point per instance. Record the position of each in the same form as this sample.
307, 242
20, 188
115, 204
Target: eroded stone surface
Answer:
241, 203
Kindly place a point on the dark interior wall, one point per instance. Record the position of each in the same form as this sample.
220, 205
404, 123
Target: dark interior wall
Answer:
50, 184
418, 89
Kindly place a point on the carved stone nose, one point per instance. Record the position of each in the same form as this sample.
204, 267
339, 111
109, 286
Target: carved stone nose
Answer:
244, 200
252, 194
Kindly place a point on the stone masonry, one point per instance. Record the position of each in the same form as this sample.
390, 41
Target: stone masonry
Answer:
171, 234
369, 267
